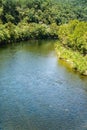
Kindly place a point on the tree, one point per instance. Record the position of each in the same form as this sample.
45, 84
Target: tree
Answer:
10, 8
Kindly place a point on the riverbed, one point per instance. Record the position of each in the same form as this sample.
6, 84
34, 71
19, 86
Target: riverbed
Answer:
38, 92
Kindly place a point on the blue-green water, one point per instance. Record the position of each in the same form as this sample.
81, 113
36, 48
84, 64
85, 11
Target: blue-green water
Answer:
37, 92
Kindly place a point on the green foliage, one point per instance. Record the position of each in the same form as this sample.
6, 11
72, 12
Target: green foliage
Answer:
24, 31
4, 34
74, 35
72, 45
45, 11
39, 19
10, 12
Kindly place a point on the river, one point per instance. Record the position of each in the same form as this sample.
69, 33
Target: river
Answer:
39, 93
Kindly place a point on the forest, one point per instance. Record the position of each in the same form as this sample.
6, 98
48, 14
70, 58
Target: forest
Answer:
65, 20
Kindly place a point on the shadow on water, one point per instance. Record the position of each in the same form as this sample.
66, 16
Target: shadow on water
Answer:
39, 93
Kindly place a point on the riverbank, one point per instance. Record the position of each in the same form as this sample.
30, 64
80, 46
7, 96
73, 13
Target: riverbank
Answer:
25, 31
72, 45
73, 58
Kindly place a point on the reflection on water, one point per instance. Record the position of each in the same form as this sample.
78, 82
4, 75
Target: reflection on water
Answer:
37, 92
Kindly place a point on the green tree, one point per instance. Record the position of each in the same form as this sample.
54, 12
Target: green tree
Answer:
9, 7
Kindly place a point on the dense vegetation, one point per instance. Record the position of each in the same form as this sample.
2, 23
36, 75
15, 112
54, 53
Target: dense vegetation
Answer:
73, 45
42, 19
74, 35
25, 19
45, 11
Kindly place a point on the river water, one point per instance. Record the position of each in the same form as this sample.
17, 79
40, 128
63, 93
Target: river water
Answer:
39, 93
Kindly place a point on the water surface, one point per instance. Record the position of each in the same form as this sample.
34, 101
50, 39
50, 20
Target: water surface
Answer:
37, 92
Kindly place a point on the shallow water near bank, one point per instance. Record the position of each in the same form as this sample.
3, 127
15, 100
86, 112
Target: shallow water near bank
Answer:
39, 93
